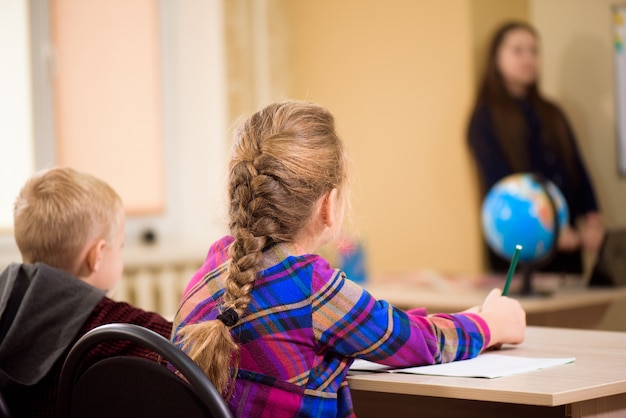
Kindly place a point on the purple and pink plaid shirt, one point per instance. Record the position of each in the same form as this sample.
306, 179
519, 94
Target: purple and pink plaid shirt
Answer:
305, 325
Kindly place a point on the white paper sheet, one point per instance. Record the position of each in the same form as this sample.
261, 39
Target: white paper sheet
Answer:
486, 365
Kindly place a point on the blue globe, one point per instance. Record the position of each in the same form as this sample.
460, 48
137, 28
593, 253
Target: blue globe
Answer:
518, 210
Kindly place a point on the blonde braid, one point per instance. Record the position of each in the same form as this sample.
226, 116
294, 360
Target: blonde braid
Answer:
285, 157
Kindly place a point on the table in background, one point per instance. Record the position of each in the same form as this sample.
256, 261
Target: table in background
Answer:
593, 386
562, 302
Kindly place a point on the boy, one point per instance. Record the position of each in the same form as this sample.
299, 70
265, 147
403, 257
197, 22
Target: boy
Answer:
69, 228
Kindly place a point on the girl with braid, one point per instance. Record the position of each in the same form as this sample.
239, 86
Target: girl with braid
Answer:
270, 322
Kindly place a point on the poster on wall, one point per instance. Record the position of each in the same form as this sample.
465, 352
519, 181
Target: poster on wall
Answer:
619, 34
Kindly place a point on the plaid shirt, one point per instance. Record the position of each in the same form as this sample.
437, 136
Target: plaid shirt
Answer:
305, 325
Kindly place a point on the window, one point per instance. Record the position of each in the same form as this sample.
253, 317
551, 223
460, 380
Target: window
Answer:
178, 74
16, 128
107, 96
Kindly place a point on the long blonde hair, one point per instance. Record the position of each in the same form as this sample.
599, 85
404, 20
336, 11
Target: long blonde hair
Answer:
285, 158
58, 211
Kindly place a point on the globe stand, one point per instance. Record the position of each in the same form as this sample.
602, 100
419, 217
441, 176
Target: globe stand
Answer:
527, 268
527, 290
527, 281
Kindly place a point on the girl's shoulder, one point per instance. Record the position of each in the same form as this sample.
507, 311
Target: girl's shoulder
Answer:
279, 259
311, 268
218, 252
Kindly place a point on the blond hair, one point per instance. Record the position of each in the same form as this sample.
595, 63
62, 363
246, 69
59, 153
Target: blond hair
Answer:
59, 211
285, 158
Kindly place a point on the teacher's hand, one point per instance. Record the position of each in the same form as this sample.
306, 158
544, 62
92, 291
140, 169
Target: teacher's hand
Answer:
592, 232
569, 240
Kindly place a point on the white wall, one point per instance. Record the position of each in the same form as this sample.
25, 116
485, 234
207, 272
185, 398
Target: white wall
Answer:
16, 130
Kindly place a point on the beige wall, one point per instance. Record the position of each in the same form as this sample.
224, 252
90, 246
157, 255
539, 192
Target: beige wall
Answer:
578, 73
400, 78
487, 16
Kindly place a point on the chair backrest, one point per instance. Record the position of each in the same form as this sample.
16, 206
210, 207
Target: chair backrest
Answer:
135, 387
4, 408
610, 266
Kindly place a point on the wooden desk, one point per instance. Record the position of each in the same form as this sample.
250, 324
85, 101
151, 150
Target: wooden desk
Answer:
569, 306
593, 386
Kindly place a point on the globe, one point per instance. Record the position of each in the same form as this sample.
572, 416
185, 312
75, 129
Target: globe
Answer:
523, 209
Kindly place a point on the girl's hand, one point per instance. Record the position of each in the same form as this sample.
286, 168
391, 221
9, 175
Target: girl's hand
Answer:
505, 317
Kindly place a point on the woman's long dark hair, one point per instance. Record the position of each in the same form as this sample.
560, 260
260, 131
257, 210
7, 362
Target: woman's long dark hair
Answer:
507, 118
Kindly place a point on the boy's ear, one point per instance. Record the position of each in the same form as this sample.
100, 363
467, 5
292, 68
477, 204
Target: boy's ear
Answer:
94, 256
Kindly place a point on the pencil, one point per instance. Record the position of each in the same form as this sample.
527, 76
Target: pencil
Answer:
509, 275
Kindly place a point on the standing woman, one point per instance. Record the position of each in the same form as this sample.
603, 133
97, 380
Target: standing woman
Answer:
514, 129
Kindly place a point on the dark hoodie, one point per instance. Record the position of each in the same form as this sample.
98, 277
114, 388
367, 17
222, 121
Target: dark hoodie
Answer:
43, 312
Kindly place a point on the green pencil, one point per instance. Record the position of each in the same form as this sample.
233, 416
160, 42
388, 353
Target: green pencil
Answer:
509, 275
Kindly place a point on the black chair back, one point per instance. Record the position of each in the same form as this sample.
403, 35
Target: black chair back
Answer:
135, 387
4, 408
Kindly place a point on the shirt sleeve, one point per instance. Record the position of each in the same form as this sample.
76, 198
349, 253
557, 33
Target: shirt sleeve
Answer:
107, 312
350, 321
485, 148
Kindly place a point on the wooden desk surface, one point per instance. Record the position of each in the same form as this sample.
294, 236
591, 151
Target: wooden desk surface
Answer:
598, 372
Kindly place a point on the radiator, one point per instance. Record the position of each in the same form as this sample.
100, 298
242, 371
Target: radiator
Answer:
155, 284
154, 278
